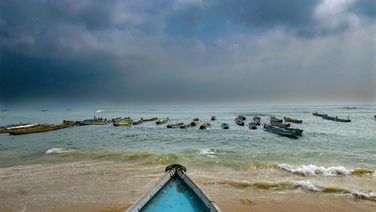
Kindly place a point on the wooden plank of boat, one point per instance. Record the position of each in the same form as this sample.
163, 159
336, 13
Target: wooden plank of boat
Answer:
288, 119
174, 191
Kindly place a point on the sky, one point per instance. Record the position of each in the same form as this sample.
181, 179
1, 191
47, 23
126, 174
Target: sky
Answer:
292, 51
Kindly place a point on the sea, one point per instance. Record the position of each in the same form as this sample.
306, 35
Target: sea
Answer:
330, 158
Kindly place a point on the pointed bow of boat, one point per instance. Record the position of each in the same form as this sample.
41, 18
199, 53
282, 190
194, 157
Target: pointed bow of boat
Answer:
172, 187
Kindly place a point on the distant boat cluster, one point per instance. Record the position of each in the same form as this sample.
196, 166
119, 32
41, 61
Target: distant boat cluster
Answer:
276, 125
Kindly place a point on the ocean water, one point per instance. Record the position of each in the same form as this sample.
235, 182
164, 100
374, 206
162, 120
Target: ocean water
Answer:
331, 157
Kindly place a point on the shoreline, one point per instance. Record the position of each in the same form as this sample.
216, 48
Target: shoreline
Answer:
94, 185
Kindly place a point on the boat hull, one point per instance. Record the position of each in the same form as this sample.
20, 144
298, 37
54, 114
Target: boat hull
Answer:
174, 191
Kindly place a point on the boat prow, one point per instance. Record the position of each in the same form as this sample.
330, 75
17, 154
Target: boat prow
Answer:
174, 191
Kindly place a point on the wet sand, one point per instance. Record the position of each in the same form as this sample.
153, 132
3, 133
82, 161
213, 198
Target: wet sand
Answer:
114, 186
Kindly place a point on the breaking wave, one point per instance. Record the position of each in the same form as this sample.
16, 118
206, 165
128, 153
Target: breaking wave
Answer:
293, 185
313, 170
58, 151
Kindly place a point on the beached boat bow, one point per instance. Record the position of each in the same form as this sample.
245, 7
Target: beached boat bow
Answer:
174, 191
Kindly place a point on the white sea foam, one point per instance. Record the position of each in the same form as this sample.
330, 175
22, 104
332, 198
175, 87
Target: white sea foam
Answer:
313, 170
99, 111
306, 185
58, 151
208, 152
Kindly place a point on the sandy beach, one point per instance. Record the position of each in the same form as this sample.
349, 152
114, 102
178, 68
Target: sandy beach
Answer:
114, 186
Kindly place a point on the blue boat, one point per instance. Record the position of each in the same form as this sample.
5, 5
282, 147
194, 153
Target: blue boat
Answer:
174, 191
280, 131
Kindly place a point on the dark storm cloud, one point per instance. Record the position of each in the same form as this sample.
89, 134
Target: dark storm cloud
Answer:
187, 49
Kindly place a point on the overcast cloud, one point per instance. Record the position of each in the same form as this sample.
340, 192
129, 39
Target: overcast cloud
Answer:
136, 50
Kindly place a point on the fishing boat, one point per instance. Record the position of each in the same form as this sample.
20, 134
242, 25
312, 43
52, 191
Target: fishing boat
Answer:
92, 122
162, 121
213, 118
273, 119
196, 119
239, 121
150, 119
288, 119
280, 131
282, 125
241, 117
123, 123
205, 126
177, 125
225, 126
252, 126
335, 118
319, 114
14, 127
121, 119
174, 191
257, 120
138, 122
41, 128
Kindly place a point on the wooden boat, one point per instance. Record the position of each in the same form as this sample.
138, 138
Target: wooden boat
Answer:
239, 121
138, 122
196, 119
273, 119
162, 121
282, 125
241, 117
177, 125
319, 114
150, 119
92, 122
122, 123
121, 119
257, 120
13, 127
41, 128
288, 119
213, 118
205, 126
280, 131
332, 118
252, 126
225, 126
174, 191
